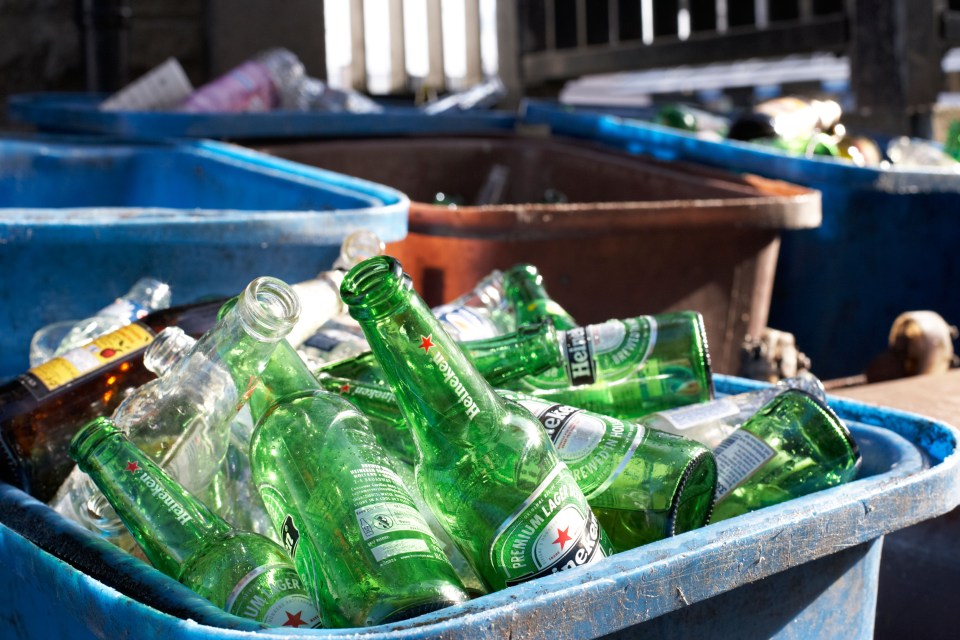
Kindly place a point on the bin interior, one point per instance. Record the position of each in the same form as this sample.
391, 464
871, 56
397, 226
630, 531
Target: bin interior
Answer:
81, 219
637, 236
790, 566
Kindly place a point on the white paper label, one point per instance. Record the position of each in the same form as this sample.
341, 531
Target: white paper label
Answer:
738, 458
694, 415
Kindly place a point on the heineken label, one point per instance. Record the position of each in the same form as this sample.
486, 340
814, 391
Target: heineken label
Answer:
579, 360
158, 492
450, 377
595, 448
553, 530
274, 595
738, 458
389, 522
623, 342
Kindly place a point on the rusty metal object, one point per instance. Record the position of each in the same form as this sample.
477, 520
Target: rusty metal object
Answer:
772, 356
920, 343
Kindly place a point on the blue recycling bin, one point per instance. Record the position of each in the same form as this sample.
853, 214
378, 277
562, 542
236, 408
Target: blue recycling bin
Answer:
806, 568
887, 243
81, 219
79, 113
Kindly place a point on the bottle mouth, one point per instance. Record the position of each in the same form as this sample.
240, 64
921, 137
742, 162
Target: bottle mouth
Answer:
166, 350
268, 309
89, 436
369, 289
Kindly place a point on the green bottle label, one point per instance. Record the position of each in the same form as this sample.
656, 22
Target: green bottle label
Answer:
553, 530
607, 351
738, 458
389, 522
274, 595
597, 449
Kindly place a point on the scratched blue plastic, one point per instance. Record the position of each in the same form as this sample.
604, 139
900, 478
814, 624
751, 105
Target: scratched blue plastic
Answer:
804, 569
78, 113
887, 244
83, 218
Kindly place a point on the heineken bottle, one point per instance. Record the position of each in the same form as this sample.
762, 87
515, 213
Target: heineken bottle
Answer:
711, 422
791, 447
643, 485
485, 466
627, 368
241, 572
529, 300
352, 528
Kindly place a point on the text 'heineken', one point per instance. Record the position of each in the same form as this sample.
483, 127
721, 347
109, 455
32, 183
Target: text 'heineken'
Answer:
485, 466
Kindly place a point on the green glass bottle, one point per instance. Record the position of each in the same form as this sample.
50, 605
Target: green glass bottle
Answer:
643, 485
793, 446
241, 572
628, 368
529, 300
621, 368
485, 466
692, 119
352, 528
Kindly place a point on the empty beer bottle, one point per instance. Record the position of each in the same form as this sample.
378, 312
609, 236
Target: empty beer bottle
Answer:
485, 466
711, 422
643, 485
529, 300
793, 446
240, 572
364, 550
42, 409
182, 419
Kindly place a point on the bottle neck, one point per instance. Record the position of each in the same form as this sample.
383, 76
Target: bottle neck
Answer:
249, 331
168, 523
284, 374
374, 400
436, 385
530, 301
166, 350
530, 350
319, 302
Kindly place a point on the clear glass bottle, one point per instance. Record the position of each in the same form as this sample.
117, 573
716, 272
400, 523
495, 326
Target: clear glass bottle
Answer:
145, 296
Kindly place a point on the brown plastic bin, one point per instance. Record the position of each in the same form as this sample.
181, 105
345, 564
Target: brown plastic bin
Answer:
637, 236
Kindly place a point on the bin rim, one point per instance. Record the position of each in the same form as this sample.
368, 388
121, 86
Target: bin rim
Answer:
205, 225
639, 136
666, 575
78, 113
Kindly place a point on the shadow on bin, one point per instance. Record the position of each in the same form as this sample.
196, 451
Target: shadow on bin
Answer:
635, 236
82, 218
806, 568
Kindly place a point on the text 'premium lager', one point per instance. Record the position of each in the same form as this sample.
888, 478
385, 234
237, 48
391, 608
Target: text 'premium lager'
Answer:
241, 572
485, 466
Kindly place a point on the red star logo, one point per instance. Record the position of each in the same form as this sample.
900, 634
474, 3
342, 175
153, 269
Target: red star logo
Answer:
294, 620
133, 467
345, 388
426, 342
562, 537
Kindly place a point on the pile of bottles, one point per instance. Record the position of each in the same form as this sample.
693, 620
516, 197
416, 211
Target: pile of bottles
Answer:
811, 128
335, 453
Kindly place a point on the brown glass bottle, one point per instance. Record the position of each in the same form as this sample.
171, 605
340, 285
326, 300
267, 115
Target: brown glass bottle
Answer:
42, 409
